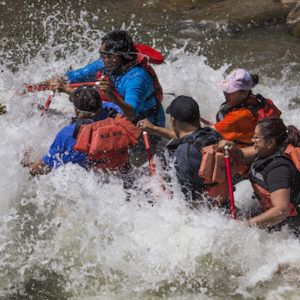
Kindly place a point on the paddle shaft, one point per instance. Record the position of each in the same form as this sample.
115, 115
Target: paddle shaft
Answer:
229, 179
204, 121
148, 149
33, 88
47, 104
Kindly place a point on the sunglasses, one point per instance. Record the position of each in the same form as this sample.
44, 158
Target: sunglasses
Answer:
104, 54
257, 138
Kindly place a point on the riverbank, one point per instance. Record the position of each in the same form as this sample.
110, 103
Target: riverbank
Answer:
239, 15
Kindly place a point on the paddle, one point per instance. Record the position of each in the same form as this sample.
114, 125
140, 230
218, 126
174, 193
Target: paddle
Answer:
33, 88
148, 149
47, 104
229, 179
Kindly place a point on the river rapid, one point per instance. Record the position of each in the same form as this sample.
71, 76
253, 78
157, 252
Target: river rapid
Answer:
72, 234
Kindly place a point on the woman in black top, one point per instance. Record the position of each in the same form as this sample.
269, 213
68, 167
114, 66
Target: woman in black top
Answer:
275, 175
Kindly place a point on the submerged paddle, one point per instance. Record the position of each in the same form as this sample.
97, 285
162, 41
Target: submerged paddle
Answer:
33, 88
229, 179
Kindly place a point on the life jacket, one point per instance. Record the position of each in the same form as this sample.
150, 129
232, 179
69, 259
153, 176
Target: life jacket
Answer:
260, 168
106, 142
259, 106
145, 56
214, 188
213, 170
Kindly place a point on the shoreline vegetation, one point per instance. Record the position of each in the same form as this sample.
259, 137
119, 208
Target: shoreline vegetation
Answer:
238, 14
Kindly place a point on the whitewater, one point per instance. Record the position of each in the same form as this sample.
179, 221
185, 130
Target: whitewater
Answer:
72, 234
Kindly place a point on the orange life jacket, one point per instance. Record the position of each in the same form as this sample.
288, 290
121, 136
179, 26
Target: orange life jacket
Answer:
257, 176
259, 106
213, 170
107, 142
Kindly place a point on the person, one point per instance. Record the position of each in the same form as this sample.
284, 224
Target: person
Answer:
238, 115
186, 147
73, 144
275, 173
125, 80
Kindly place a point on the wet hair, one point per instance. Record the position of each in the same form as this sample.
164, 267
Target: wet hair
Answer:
120, 42
274, 128
255, 79
86, 99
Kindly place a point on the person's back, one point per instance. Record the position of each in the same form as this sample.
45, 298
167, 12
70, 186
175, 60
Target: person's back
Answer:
186, 149
89, 110
62, 150
188, 159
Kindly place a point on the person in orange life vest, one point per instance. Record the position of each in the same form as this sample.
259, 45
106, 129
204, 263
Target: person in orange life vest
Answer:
88, 109
186, 147
118, 70
238, 115
275, 175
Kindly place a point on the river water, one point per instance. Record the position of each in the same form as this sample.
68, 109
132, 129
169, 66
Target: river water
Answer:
72, 234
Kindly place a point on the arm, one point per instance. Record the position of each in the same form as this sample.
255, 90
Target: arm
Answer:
38, 167
85, 74
277, 213
237, 125
146, 125
247, 154
105, 87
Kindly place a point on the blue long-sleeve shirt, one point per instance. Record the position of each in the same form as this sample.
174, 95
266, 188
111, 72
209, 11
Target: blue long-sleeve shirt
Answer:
135, 87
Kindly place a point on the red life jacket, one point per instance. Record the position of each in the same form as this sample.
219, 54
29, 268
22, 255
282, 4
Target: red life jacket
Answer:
259, 106
145, 56
107, 142
258, 173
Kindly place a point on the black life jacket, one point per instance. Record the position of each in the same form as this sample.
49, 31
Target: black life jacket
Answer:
217, 192
259, 170
206, 136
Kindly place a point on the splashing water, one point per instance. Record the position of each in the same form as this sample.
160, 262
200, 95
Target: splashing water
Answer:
72, 234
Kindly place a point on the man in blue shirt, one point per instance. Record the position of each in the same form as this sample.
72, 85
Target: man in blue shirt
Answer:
88, 108
122, 80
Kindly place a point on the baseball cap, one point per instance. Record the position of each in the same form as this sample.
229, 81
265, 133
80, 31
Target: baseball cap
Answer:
237, 79
184, 108
86, 98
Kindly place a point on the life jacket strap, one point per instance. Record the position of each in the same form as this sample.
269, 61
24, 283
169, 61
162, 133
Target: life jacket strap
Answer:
149, 112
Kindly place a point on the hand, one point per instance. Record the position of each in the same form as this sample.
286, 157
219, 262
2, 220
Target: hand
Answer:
56, 84
105, 85
145, 125
221, 145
